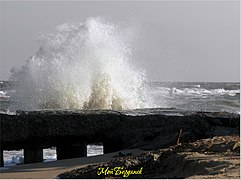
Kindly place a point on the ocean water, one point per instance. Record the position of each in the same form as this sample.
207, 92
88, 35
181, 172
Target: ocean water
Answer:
197, 96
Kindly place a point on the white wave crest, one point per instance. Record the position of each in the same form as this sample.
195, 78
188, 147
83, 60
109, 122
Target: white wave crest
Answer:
4, 94
200, 91
195, 91
81, 66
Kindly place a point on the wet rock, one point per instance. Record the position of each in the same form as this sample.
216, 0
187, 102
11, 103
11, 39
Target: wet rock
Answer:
150, 128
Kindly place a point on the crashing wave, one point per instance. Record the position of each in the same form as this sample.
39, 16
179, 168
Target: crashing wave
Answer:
81, 66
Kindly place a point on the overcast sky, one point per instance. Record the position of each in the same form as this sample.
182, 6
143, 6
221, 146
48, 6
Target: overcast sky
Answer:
179, 40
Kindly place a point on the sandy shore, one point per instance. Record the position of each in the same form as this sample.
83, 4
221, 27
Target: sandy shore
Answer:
211, 158
50, 170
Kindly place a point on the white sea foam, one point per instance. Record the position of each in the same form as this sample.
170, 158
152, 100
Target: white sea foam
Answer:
164, 91
4, 94
14, 157
81, 66
94, 150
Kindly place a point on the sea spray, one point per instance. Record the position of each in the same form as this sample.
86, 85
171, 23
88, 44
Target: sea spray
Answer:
81, 66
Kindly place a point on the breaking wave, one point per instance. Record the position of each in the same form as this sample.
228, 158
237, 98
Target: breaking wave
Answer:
81, 66
196, 91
